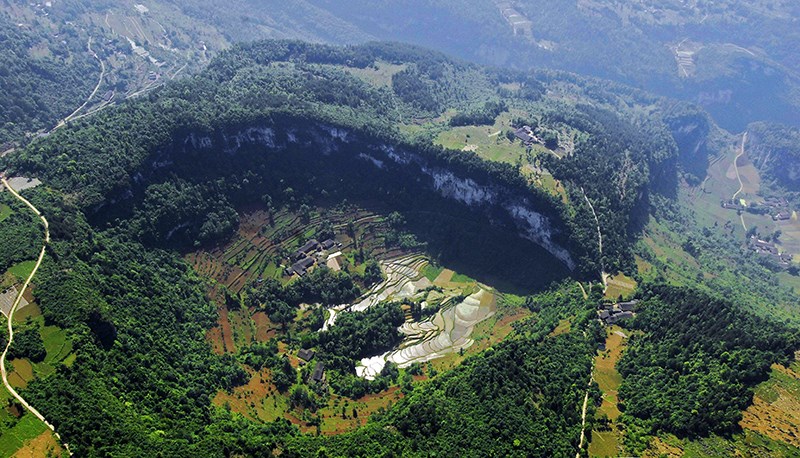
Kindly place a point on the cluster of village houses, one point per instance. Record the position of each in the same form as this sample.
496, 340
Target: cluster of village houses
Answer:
770, 249
314, 253
776, 207
305, 355
527, 136
611, 314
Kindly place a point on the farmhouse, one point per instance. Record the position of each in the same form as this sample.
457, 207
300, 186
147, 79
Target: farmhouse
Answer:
731, 205
318, 376
328, 244
782, 216
301, 267
613, 313
628, 306
619, 317
761, 246
309, 247
305, 354
776, 202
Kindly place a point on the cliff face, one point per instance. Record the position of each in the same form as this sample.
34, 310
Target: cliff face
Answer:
775, 151
477, 192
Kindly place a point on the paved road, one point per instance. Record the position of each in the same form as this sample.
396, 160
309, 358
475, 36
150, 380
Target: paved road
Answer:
14, 306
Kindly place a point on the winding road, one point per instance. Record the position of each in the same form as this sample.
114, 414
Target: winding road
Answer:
10, 317
738, 177
94, 92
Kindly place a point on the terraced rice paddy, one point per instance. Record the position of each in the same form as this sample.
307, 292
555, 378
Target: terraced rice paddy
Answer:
403, 280
447, 331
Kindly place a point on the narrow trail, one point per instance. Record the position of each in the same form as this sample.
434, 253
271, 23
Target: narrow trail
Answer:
583, 290
94, 92
10, 317
583, 423
738, 177
603, 274
583, 412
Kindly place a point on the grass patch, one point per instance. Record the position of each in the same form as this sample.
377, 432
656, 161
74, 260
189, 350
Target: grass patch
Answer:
484, 140
380, 74
461, 278
23, 269
5, 212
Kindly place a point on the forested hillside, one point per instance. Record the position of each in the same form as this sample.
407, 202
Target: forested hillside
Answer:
42, 80
735, 58
775, 150
294, 133
275, 93
694, 369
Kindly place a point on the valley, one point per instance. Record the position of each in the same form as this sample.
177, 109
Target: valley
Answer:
306, 249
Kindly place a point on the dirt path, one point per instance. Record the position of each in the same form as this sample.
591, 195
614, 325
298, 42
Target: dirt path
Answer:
3, 372
94, 92
585, 296
738, 177
603, 274
583, 414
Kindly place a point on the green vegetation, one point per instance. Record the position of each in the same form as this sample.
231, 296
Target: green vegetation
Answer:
5, 212
463, 404
694, 369
286, 127
23, 269
774, 150
20, 235
28, 344
27, 428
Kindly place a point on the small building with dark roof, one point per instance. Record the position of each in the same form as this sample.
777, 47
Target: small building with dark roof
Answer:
318, 376
301, 267
305, 354
328, 244
628, 306
782, 216
310, 246
603, 314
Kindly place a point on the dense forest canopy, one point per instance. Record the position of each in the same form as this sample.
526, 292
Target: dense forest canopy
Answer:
694, 369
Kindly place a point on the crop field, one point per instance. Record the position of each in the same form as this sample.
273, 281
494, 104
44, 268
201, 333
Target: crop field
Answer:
447, 331
620, 285
606, 443
263, 241
22, 373
44, 444
259, 250
27, 429
775, 412
260, 400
